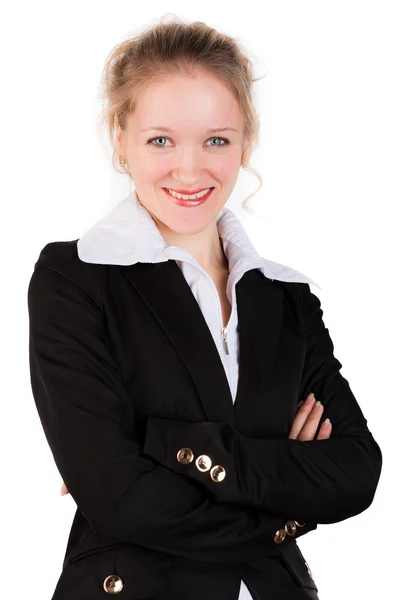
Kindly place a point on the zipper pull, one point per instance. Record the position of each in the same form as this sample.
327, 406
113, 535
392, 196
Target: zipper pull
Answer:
224, 339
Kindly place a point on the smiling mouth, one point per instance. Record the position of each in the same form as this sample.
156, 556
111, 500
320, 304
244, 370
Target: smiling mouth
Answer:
177, 198
177, 193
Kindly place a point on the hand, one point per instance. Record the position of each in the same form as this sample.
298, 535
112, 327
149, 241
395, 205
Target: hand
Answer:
64, 489
307, 421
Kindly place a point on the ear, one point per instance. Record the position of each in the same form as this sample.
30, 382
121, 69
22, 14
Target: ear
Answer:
118, 134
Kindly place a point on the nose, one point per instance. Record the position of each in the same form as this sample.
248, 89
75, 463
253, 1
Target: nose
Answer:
188, 168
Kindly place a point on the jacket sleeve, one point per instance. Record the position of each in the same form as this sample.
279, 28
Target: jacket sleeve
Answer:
88, 420
322, 480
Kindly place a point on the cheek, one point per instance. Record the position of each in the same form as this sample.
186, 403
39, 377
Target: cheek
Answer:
149, 170
226, 166
226, 172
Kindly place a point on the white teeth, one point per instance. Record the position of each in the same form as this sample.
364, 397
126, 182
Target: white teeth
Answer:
191, 197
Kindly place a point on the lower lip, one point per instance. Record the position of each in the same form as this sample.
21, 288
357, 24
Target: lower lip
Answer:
189, 203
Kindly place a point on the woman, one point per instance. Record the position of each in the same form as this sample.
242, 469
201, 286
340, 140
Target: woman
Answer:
168, 357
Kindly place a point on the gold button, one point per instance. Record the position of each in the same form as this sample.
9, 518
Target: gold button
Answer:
279, 536
290, 527
113, 584
217, 473
203, 463
309, 570
299, 524
185, 456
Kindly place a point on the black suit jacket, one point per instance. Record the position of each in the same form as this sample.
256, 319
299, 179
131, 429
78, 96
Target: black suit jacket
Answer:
125, 373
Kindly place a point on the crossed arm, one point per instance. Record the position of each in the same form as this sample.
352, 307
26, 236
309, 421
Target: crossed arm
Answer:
323, 480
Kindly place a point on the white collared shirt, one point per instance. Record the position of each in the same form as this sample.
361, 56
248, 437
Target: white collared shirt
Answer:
128, 234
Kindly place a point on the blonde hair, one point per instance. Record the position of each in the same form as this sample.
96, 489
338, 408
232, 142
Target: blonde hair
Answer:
176, 47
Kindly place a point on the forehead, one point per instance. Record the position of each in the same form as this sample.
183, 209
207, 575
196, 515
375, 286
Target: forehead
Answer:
176, 102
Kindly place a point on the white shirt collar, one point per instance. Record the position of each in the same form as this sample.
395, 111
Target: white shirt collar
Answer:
127, 234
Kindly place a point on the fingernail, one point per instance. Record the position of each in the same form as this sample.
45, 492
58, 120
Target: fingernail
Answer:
310, 398
326, 421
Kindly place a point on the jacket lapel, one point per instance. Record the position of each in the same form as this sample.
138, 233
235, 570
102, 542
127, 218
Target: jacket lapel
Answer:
259, 306
166, 292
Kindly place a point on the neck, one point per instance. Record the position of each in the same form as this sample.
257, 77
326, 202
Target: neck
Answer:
205, 246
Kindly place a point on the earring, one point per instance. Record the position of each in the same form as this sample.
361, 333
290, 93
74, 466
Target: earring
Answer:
122, 161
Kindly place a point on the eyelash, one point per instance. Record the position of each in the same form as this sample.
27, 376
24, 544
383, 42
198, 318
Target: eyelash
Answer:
158, 137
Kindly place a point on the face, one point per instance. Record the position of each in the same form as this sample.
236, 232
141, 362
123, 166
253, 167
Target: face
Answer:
187, 156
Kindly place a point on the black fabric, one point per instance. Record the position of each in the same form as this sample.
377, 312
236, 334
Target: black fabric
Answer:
125, 372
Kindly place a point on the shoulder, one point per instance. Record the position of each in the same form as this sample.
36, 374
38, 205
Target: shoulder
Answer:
59, 261
288, 275
58, 255
298, 288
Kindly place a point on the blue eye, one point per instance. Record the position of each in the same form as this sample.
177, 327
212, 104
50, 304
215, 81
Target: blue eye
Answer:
225, 141
219, 138
157, 138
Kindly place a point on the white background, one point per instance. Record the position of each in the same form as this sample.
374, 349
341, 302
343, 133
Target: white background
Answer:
329, 158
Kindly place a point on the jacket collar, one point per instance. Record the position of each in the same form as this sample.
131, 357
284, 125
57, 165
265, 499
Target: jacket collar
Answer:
127, 234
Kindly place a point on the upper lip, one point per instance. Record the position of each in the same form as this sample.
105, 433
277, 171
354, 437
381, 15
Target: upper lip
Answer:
188, 192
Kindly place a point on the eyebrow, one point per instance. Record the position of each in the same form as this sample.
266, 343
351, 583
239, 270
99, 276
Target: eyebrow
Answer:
168, 130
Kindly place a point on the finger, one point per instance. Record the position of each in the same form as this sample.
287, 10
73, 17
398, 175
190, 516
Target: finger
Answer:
310, 428
64, 489
325, 430
308, 397
301, 416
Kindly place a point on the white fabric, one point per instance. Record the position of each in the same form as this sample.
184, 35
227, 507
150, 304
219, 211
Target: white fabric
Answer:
128, 234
